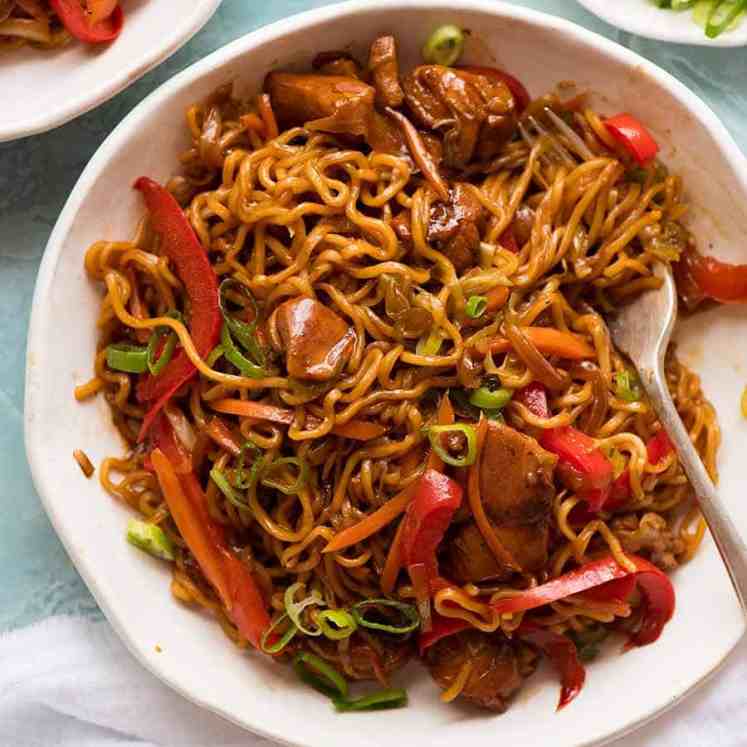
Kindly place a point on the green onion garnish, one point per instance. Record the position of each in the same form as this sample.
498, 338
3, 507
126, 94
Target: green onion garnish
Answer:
128, 358
284, 487
156, 365
283, 641
435, 432
444, 46
476, 306
243, 331
336, 624
241, 482
430, 344
220, 479
722, 15
410, 616
490, 400
233, 355
378, 701
294, 609
627, 386
214, 354
150, 538
321, 676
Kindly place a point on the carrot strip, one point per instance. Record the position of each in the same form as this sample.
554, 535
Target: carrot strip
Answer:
444, 416
372, 523
497, 298
478, 511
548, 341
195, 533
268, 116
393, 562
359, 430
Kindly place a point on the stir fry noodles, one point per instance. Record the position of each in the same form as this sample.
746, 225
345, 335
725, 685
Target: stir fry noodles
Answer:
357, 348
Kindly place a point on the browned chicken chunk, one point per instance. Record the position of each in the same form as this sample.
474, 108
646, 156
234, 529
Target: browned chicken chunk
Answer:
516, 488
498, 666
454, 226
314, 338
476, 113
336, 62
330, 103
382, 62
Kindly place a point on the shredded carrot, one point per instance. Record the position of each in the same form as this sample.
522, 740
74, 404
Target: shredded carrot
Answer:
252, 122
478, 511
268, 116
444, 416
195, 534
393, 562
359, 430
372, 523
548, 341
497, 298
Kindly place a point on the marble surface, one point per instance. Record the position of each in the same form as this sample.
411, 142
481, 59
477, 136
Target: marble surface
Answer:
36, 175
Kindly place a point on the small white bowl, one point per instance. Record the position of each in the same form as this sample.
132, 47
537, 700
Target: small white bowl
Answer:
187, 650
642, 17
43, 89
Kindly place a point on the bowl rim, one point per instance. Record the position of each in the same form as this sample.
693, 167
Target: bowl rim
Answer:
85, 101
693, 37
33, 429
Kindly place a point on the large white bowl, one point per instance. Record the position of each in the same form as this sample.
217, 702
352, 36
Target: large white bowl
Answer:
642, 17
43, 89
133, 590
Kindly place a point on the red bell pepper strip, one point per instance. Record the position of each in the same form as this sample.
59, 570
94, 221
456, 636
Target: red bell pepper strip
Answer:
581, 465
518, 91
77, 20
563, 654
559, 649
180, 244
429, 513
206, 540
617, 591
655, 587
700, 277
637, 140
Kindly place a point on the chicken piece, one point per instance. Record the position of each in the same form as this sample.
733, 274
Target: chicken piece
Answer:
516, 488
477, 113
369, 663
650, 536
314, 338
331, 103
499, 666
382, 62
454, 226
336, 62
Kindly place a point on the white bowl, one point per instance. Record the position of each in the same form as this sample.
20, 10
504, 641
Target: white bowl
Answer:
642, 17
43, 89
133, 590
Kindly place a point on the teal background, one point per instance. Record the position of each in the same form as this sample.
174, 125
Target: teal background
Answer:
37, 174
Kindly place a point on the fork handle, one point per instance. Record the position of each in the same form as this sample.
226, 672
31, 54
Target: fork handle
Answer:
728, 540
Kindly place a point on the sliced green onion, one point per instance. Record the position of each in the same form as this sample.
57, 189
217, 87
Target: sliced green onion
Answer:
476, 306
156, 365
682, 4
214, 354
410, 616
434, 433
336, 624
722, 16
283, 641
444, 46
491, 399
378, 701
294, 609
324, 678
430, 344
150, 538
284, 487
627, 386
244, 332
233, 355
128, 358
220, 479
241, 482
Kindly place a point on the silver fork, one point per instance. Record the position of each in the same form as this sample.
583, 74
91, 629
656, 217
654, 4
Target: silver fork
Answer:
642, 329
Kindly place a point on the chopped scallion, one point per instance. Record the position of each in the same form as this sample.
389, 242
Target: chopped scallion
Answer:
378, 701
410, 617
336, 624
476, 306
294, 609
121, 356
490, 400
444, 46
284, 487
435, 432
284, 639
320, 675
627, 386
220, 479
150, 538
430, 344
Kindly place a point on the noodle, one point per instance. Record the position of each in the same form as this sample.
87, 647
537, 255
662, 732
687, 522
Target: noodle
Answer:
298, 212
